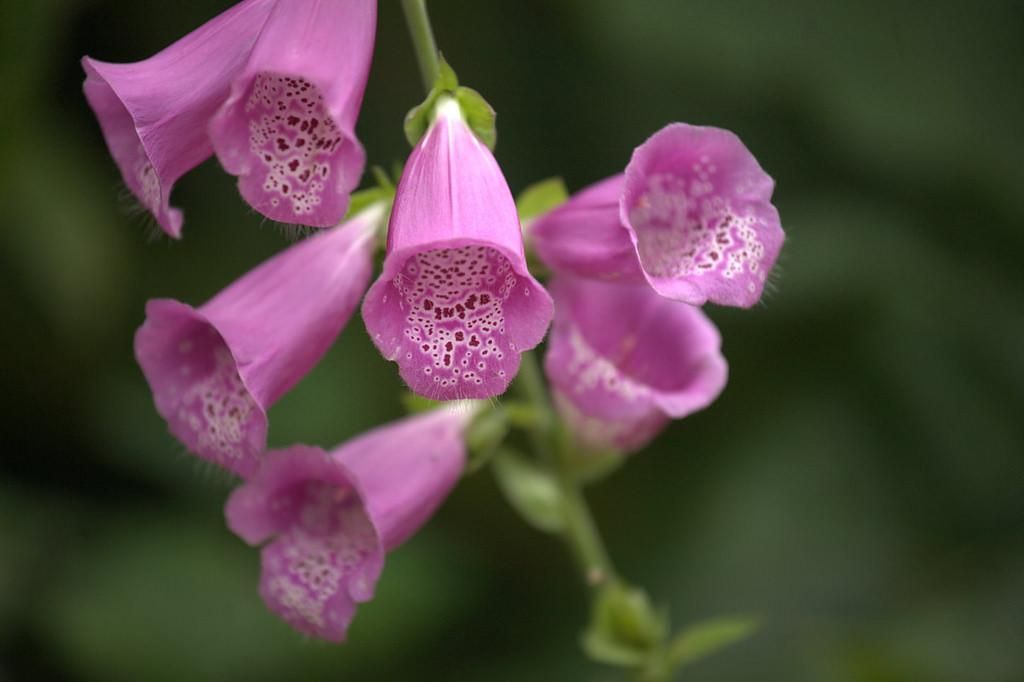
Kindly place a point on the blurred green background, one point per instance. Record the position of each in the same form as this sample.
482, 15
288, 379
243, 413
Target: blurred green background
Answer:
859, 484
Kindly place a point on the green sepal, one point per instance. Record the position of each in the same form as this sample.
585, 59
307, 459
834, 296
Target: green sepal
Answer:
540, 197
478, 113
530, 489
625, 629
447, 81
709, 636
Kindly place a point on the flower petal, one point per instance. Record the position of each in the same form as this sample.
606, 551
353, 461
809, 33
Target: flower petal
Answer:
154, 113
197, 387
325, 555
407, 468
455, 304
698, 209
331, 519
288, 128
630, 358
585, 237
214, 371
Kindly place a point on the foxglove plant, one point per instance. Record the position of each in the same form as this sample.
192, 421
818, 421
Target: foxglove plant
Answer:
455, 305
631, 259
623, 361
216, 370
329, 519
154, 113
287, 130
273, 86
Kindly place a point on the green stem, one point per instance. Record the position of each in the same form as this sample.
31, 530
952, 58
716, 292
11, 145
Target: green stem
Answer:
423, 41
550, 441
583, 535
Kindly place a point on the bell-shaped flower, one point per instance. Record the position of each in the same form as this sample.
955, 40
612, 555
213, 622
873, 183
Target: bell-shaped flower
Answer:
695, 208
154, 113
215, 370
698, 210
330, 519
455, 304
623, 361
287, 130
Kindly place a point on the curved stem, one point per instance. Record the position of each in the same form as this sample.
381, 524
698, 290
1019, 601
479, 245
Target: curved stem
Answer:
583, 535
550, 441
423, 41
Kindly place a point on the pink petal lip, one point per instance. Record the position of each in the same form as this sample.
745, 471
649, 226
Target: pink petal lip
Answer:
216, 370
323, 554
623, 361
287, 130
697, 207
327, 521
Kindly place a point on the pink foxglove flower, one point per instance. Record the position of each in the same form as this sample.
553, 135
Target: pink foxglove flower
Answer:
696, 208
287, 130
215, 370
623, 361
154, 113
332, 518
455, 304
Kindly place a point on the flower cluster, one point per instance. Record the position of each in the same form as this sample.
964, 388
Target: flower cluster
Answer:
634, 255
273, 88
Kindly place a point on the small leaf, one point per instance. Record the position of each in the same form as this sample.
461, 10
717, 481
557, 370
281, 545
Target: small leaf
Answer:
707, 637
366, 197
625, 629
541, 197
604, 650
530, 490
485, 436
479, 115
